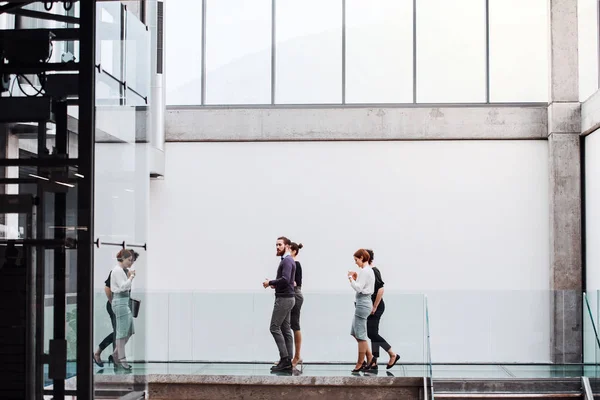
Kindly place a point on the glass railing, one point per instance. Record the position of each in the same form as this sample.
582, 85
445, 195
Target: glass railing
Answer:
122, 57
591, 339
228, 333
428, 389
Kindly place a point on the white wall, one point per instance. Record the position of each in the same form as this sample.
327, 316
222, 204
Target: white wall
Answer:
464, 221
592, 210
592, 253
587, 19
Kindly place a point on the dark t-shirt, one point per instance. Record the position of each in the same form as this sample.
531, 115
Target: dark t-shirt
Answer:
378, 283
298, 277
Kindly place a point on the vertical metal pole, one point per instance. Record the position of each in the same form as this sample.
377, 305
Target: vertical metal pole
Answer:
343, 51
40, 266
143, 17
414, 51
85, 200
487, 51
123, 47
59, 344
33, 385
273, 48
203, 49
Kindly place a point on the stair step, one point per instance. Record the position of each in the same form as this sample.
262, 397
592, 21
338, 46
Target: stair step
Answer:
494, 396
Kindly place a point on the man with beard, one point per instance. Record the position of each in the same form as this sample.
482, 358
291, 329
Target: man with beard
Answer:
284, 302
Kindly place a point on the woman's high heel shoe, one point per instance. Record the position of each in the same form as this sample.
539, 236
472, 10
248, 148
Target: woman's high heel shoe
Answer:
362, 368
372, 365
111, 359
97, 361
295, 364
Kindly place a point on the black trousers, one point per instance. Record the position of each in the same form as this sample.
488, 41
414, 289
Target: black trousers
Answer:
110, 338
373, 331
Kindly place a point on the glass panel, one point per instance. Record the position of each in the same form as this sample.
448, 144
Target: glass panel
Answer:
108, 90
108, 37
175, 331
238, 52
587, 18
137, 57
591, 338
519, 50
184, 58
309, 51
379, 51
451, 51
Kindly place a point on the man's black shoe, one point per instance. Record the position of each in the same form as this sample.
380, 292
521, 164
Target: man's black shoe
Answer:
284, 365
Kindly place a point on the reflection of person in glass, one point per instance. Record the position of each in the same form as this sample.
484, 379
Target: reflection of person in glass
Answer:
110, 338
120, 286
363, 284
295, 315
373, 321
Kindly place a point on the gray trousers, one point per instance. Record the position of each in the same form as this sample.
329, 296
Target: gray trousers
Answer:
280, 325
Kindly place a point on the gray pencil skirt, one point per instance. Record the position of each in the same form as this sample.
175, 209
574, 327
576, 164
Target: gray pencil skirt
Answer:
120, 306
362, 310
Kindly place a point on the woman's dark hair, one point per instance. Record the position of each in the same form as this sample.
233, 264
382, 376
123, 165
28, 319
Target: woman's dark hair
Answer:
296, 247
371, 255
286, 241
124, 254
362, 254
134, 253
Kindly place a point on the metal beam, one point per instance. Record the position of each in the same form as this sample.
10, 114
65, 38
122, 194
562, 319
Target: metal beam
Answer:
44, 15
11, 6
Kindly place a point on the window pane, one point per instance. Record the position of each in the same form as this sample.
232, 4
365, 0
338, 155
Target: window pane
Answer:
184, 55
450, 51
588, 48
309, 51
379, 51
108, 38
238, 52
518, 50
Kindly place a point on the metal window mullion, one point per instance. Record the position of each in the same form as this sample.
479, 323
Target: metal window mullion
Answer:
414, 51
203, 49
487, 51
343, 51
273, 48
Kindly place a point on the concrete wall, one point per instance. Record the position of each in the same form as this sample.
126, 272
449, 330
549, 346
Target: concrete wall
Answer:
355, 123
464, 221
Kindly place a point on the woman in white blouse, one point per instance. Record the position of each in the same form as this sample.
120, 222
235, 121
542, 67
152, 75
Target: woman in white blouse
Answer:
120, 286
363, 283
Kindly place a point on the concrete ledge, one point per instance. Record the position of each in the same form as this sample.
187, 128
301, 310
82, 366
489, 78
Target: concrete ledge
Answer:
355, 123
345, 381
198, 387
590, 114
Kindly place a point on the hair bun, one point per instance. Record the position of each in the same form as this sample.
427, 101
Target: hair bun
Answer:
300, 245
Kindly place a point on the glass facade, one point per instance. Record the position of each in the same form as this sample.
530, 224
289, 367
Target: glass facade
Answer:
346, 52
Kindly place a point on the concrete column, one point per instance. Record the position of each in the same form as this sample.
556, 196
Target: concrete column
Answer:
564, 128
